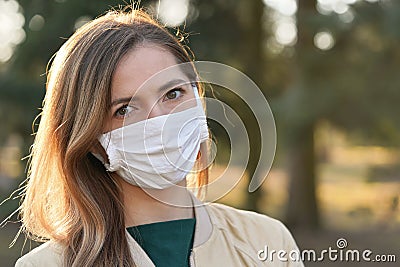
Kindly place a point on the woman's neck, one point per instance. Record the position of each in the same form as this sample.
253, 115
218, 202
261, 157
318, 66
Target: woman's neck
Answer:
143, 206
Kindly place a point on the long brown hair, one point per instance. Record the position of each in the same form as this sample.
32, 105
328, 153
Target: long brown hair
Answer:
70, 198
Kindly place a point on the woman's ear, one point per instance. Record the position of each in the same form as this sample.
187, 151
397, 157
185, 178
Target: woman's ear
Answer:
98, 151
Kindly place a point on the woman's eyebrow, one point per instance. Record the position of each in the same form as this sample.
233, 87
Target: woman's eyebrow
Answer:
172, 83
121, 100
164, 87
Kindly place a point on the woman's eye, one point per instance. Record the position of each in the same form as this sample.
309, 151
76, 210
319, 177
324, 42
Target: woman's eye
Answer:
123, 111
173, 94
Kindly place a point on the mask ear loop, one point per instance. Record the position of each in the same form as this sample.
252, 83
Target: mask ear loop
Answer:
200, 162
198, 105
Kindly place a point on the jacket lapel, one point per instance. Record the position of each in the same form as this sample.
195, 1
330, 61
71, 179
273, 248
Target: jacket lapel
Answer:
203, 231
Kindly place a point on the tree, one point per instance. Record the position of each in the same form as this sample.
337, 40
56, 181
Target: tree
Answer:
236, 32
351, 85
302, 206
23, 80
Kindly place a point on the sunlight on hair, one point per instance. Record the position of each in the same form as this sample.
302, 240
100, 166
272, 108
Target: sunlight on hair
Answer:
11, 31
173, 12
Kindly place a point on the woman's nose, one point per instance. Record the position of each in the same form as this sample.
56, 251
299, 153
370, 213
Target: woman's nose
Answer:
156, 111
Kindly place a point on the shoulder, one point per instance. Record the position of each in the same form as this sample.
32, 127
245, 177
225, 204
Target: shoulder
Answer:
250, 227
45, 255
228, 217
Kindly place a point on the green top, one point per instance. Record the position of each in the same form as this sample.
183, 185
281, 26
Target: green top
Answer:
166, 243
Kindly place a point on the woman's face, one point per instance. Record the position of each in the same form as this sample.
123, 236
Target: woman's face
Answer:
135, 97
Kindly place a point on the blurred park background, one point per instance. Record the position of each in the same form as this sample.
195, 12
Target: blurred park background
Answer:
329, 69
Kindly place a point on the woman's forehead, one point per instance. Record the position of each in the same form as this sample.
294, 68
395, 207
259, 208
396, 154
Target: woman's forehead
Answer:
149, 67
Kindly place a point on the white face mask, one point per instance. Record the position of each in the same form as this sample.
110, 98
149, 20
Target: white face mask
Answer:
158, 152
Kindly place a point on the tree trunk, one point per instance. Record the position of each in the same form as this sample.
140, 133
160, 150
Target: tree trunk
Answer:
302, 210
253, 57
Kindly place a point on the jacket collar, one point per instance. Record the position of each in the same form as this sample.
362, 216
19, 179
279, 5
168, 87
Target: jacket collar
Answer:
202, 233
203, 227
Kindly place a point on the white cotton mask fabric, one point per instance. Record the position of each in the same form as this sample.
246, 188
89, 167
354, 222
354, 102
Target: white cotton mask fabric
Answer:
158, 152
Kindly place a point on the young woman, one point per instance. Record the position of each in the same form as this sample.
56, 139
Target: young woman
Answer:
121, 128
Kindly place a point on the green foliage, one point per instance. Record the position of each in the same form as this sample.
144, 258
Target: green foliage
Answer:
355, 84
22, 82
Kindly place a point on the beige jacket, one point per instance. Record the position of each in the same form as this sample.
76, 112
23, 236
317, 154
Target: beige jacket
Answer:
224, 236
